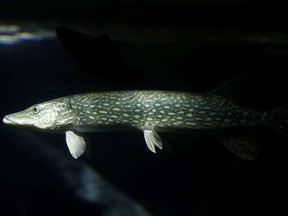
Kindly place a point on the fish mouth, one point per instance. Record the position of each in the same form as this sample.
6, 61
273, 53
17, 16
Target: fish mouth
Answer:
8, 121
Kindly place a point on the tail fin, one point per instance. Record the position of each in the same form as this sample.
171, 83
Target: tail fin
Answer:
278, 119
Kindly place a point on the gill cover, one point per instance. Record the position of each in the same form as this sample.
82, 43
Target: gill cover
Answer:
45, 115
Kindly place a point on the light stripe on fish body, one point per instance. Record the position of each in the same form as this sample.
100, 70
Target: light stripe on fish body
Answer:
146, 110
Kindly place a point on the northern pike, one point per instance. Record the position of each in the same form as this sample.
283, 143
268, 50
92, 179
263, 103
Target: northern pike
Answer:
149, 111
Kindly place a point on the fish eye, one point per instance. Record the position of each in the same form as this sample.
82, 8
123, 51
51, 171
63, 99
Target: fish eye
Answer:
35, 109
66, 106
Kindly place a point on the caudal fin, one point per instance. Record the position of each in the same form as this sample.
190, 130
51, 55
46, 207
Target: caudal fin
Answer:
278, 119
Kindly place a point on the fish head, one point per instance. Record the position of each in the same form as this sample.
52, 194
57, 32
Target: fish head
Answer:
49, 115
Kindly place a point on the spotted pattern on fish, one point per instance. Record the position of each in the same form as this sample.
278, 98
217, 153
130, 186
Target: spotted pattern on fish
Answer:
149, 109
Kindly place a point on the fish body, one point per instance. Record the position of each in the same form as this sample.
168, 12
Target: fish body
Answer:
145, 110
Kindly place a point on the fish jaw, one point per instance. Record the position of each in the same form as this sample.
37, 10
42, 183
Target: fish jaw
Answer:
21, 119
7, 120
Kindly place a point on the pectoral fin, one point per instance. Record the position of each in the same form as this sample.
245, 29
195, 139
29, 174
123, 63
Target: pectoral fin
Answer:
76, 143
152, 139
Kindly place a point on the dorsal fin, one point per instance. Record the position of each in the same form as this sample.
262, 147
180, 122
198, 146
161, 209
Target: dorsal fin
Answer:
236, 88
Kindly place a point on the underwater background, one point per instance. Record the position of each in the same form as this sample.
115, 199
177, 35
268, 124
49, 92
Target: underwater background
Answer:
173, 45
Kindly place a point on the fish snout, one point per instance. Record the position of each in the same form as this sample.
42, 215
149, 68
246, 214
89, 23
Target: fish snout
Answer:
7, 120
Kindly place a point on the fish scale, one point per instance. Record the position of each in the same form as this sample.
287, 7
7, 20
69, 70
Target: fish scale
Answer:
142, 109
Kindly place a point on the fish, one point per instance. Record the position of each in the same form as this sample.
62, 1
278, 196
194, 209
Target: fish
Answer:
150, 111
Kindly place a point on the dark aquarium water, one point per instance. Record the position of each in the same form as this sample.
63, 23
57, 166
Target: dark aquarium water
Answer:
50, 49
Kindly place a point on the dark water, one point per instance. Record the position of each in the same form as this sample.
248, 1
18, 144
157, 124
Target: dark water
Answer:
121, 176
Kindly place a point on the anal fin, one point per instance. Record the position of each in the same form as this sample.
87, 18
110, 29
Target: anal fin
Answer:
152, 139
244, 145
